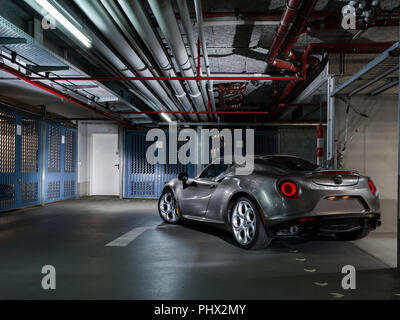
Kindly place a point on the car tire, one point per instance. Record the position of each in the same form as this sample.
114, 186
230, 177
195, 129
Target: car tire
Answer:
353, 235
167, 207
247, 226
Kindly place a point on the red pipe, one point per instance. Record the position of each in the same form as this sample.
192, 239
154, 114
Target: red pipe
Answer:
261, 16
288, 16
305, 11
59, 94
331, 47
284, 65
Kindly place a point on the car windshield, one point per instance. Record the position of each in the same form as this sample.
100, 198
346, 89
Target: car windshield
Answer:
214, 170
291, 163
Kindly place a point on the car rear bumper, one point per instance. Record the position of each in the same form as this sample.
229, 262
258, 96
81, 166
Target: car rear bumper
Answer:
308, 227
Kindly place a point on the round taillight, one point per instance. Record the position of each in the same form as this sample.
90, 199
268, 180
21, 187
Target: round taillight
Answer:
289, 189
371, 186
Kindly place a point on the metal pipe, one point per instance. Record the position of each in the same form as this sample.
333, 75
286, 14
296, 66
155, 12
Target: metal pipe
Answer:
139, 19
305, 57
117, 15
301, 19
97, 13
196, 112
288, 16
59, 94
187, 27
331, 113
215, 78
199, 16
284, 65
165, 17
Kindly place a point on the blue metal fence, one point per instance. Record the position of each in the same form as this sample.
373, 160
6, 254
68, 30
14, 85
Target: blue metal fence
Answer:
61, 156
143, 180
21, 159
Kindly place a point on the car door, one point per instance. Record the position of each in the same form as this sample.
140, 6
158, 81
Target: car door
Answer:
197, 192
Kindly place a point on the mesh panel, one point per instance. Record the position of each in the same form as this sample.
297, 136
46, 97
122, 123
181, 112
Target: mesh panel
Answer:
7, 141
30, 145
29, 192
69, 165
54, 156
139, 162
7, 196
69, 188
174, 169
142, 188
53, 190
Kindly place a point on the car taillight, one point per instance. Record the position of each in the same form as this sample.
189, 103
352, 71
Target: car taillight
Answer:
371, 186
337, 172
289, 189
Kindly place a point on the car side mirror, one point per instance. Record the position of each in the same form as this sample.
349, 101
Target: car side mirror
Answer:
183, 176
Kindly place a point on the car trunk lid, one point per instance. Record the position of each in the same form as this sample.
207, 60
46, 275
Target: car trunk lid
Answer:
335, 178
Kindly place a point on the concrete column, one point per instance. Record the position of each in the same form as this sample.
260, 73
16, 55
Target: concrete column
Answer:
121, 155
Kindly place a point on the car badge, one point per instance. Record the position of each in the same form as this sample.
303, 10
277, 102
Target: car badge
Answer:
338, 179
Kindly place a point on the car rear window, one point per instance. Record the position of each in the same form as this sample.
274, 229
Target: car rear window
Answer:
291, 163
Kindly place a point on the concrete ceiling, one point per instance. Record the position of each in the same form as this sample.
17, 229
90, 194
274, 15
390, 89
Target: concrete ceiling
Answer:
232, 48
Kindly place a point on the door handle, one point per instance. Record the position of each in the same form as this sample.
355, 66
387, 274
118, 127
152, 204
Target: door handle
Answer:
116, 165
212, 186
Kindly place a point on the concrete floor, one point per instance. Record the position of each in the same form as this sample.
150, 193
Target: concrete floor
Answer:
169, 262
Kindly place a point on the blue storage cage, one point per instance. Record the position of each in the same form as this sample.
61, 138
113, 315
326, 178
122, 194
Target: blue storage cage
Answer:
143, 180
20, 159
61, 163
21, 146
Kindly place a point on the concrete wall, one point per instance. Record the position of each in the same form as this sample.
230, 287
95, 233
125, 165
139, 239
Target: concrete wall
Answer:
85, 132
372, 147
298, 141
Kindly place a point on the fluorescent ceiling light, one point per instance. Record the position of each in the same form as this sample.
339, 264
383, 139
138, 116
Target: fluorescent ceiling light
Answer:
165, 116
64, 21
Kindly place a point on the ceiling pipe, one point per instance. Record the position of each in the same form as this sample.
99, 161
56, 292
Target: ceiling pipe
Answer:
298, 26
252, 124
199, 17
140, 20
287, 19
213, 77
282, 64
165, 17
59, 94
120, 19
273, 16
197, 112
187, 27
98, 14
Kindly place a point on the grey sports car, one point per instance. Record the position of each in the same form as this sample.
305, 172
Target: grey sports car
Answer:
284, 197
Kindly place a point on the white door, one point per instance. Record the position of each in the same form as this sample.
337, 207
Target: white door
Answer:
105, 165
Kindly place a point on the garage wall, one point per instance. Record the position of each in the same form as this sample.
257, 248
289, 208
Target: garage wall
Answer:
373, 149
299, 141
85, 131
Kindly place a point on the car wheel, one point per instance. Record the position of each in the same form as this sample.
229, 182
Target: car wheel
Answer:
167, 207
247, 226
353, 235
